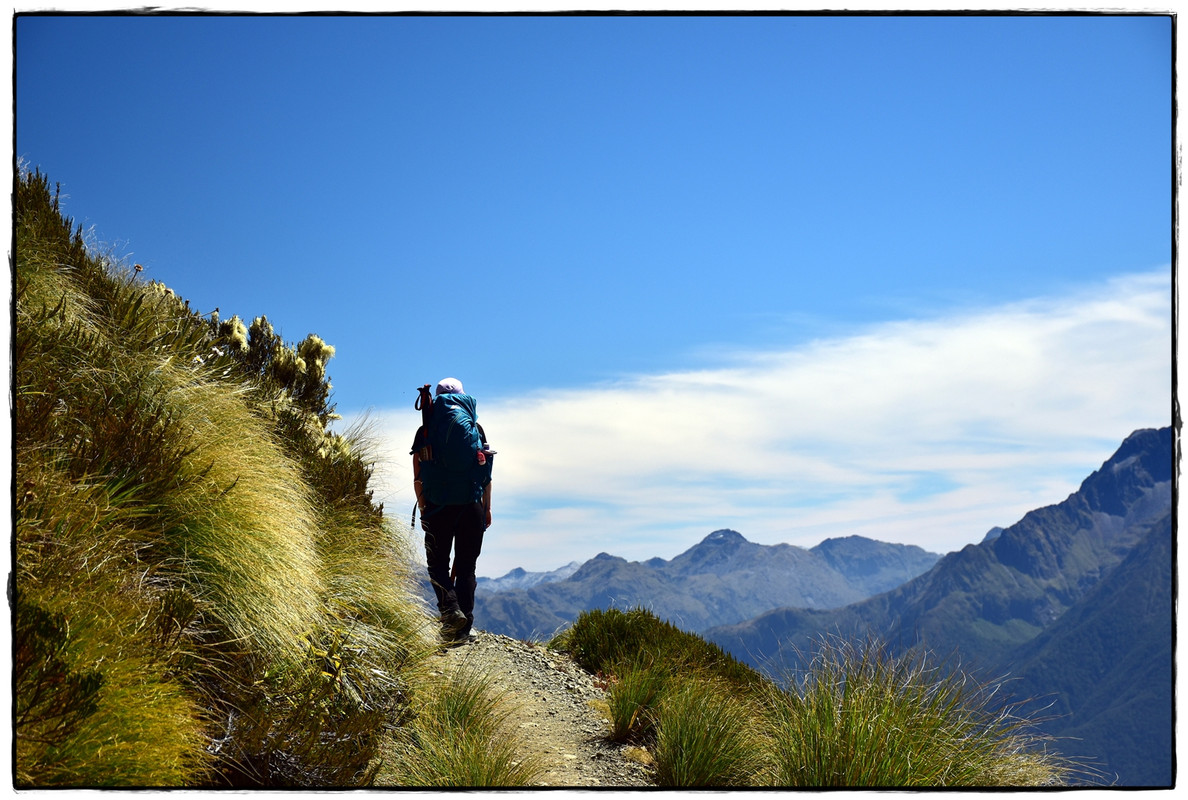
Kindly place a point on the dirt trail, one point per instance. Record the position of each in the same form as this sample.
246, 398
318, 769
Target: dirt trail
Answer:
552, 708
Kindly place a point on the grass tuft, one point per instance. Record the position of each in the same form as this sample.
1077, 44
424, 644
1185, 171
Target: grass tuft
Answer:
863, 716
704, 737
460, 738
633, 699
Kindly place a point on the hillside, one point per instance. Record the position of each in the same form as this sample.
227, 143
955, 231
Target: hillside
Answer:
712, 583
203, 593
991, 602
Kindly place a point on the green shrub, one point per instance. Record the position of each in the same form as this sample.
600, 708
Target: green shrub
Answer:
607, 641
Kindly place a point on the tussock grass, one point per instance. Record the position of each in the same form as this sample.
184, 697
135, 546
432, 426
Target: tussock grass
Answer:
146, 730
863, 716
460, 738
367, 580
705, 738
633, 699
673, 692
46, 291
96, 701
243, 531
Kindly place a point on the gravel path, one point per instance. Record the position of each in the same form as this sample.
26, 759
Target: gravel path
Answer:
554, 706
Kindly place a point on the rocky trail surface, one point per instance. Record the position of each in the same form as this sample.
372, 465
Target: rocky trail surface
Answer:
553, 704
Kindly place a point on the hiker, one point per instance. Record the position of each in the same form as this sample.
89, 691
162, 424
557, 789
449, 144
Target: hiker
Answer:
452, 479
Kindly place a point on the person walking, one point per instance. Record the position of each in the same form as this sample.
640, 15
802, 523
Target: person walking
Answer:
452, 465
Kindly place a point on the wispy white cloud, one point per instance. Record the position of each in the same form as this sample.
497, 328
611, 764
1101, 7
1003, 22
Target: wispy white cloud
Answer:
926, 432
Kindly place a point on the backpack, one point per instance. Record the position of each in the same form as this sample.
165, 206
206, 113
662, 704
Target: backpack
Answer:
455, 462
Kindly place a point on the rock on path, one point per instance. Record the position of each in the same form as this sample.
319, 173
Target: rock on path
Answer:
553, 704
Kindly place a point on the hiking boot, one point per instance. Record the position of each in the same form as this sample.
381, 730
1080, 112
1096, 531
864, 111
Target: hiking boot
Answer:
453, 621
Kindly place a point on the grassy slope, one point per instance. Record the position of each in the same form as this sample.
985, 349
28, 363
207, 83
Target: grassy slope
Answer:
205, 594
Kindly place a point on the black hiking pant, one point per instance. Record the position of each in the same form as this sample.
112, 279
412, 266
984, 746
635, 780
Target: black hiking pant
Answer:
459, 527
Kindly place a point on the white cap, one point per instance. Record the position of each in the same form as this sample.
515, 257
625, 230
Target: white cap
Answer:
449, 386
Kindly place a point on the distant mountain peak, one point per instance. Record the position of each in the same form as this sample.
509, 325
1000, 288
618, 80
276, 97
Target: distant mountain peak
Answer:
520, 578
723, 536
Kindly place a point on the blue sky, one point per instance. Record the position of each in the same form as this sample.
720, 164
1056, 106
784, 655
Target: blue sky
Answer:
907, 277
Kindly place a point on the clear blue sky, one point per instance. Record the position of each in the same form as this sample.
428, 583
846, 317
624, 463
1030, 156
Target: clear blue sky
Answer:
578, 216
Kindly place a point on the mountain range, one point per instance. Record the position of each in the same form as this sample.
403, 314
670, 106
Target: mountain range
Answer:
1074, 603
720, 580
520, 578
